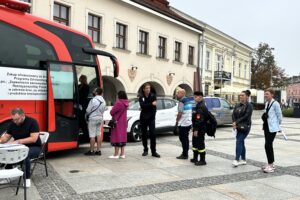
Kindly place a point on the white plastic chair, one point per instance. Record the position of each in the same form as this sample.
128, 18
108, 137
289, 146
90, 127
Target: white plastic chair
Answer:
41, 159
13, 154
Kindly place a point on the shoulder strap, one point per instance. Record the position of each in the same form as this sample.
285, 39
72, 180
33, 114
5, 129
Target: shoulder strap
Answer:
268, 108
100, 102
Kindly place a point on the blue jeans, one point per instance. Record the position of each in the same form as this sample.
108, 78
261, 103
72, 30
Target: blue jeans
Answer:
34, 152
240, 149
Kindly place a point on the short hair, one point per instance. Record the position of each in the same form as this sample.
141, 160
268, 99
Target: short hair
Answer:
181, 90
198, 93
17, 111
146, 84
247, 93
122, 95
98, 91
271, 90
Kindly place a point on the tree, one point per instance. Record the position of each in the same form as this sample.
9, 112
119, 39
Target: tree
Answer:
264, 67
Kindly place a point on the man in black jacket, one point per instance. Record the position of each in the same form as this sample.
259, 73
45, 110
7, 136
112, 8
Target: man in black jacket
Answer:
147, 118
199, 120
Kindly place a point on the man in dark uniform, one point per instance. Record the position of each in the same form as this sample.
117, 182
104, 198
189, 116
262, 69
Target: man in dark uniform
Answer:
199, 120
147, 118
24, 130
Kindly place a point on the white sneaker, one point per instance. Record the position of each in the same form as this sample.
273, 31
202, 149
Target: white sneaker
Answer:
269, 169
266, 165
28, 183
123, 157
235, 163
113, 157
242, 162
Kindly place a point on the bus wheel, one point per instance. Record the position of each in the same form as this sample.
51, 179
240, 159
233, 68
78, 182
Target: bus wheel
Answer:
135, 132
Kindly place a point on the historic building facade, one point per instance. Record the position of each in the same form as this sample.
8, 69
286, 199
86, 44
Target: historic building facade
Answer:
226, 67
154, 43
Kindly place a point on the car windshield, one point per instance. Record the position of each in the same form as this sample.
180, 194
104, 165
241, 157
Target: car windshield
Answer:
134, 104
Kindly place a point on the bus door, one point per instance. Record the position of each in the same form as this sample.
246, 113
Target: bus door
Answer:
63, 91
88, 79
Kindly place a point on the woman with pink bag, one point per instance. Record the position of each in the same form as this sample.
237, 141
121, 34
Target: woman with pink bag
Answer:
118, 136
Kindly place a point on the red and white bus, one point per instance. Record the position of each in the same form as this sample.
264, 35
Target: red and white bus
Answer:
40, 63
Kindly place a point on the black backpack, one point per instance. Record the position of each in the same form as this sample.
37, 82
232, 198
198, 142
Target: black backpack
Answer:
211, 125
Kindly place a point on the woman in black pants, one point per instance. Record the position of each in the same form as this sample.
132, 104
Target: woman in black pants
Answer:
272, 120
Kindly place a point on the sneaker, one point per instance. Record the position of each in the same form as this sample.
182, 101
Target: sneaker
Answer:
235, 163
113, 157
266, 165
123, 157
156, 155
28, 183
145, 153
242, 162
182, 157
98, 153
89, 153
269, 169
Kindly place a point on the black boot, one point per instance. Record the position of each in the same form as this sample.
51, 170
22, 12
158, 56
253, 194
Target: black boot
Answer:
195, 158
202, 159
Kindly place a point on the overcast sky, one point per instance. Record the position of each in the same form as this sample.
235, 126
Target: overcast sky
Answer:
276, 22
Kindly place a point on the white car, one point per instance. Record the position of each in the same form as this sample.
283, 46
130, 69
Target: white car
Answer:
165, 119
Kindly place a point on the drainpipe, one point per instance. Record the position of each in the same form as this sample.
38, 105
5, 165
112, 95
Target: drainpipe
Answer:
200, 62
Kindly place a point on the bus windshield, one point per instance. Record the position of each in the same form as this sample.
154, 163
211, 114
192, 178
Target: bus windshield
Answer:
74, 42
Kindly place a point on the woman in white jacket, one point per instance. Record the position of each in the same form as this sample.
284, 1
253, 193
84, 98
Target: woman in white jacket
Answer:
272, 119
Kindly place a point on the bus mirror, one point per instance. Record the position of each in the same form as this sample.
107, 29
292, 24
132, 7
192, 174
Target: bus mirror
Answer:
106, 54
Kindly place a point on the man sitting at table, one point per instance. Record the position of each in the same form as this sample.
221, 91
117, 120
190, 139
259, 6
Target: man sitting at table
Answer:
24, 130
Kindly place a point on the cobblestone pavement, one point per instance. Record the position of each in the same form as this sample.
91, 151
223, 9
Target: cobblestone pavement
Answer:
138, 177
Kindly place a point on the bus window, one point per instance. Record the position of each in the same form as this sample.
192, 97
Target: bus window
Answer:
74, 43
92, 78
63, 85
19, 48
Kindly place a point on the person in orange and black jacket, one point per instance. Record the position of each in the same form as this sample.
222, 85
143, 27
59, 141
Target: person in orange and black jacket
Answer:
199, 120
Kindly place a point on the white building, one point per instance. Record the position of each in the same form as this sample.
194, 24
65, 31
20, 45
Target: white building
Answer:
224, 55
154, 43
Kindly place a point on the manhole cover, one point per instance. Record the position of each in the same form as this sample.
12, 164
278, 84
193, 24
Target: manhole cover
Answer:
74, 171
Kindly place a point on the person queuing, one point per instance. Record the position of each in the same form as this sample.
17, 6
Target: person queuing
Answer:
199, 121
147, 119
184, 121
118, 136
272, 118
24, 130
94, 113
241, 122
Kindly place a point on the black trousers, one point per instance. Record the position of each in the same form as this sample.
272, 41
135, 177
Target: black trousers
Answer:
269, 138
145, 124
199, 142
184, 139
